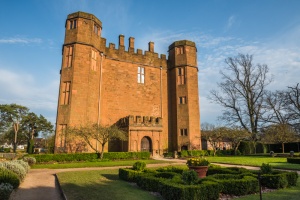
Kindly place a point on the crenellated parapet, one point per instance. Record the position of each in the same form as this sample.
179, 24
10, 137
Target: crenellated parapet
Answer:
133, 55
140, 121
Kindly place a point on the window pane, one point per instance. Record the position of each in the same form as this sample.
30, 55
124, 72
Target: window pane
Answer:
142, 79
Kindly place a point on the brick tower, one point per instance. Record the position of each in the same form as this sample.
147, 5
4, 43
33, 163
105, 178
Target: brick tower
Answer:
154, 99
79, 84
184, 111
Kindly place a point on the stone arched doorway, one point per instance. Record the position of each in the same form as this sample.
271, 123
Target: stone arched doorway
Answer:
146, 144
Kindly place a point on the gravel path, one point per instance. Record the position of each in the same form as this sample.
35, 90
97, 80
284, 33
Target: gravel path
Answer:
41, 184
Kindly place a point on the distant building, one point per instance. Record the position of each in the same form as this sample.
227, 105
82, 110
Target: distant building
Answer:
154, 98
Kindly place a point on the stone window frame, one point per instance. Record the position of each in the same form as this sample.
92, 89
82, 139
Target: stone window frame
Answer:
182, 100
181, 76
73, 24
96, 29
68, 56
180, 50
65, 94
141, 75
183, 132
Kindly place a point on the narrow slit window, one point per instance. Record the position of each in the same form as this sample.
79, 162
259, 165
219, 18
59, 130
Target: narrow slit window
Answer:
68, 56
180, 50
141, 75
182, 100
181, 76
73, 24
65, 96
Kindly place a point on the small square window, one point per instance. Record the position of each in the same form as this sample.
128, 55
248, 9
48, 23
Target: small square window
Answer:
183, 132
182, 100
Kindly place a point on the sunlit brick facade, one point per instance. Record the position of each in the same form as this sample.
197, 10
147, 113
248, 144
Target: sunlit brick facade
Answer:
154, 98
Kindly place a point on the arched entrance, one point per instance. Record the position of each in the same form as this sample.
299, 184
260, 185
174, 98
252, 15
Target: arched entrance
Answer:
146, 144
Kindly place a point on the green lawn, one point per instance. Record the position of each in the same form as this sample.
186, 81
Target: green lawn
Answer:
100, 184
93, 164
276, 162
292, 193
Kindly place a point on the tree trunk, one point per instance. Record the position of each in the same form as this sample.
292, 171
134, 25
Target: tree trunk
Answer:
102, 150
282, 144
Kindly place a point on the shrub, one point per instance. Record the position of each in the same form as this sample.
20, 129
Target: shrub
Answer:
189, 177
139, 166
178, 170
7, 176
274, 181
234, 184
16, 168
167, 175
293, 160
266, 169
30, 160
5, 190
291, 178
128, 174
23, 163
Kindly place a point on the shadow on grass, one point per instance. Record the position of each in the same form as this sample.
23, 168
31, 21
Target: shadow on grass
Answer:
111, 176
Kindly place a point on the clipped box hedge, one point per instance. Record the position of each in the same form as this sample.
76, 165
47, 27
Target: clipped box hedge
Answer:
233, 181
76, 157
293, 160
279, 179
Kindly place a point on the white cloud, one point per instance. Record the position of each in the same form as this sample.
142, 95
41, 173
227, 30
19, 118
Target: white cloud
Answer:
23, 88
230, 22
17, 40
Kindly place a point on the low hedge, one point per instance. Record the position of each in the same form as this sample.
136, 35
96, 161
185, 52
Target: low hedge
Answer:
128, 174
197, 153
279, 179
293, 160
234, 184
75, 157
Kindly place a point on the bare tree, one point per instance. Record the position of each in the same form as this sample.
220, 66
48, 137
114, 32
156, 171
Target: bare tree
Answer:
213, 135
93, 134
292, 100
242, 93
279, 133
235, 136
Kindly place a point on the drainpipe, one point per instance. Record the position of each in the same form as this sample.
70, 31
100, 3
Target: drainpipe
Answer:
161, 106
99, 97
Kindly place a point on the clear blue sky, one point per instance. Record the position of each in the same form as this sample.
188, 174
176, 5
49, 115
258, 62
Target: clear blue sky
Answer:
32, 34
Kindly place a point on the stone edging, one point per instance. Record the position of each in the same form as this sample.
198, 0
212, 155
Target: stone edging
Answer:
60, 188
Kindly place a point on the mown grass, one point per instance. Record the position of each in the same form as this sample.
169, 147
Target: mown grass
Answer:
292, 193
93, 164
276, 162
100, 184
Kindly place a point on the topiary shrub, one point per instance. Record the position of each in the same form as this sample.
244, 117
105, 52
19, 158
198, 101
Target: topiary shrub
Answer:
16, 168
23, 163
189, 177
7, 176
5, 190
30, 160
139, 166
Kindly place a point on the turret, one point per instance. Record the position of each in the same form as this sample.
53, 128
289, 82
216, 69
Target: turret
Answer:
184, 97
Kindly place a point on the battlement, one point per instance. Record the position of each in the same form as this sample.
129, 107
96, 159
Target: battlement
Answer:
140, 121
182, 43
84, 15
137, 55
